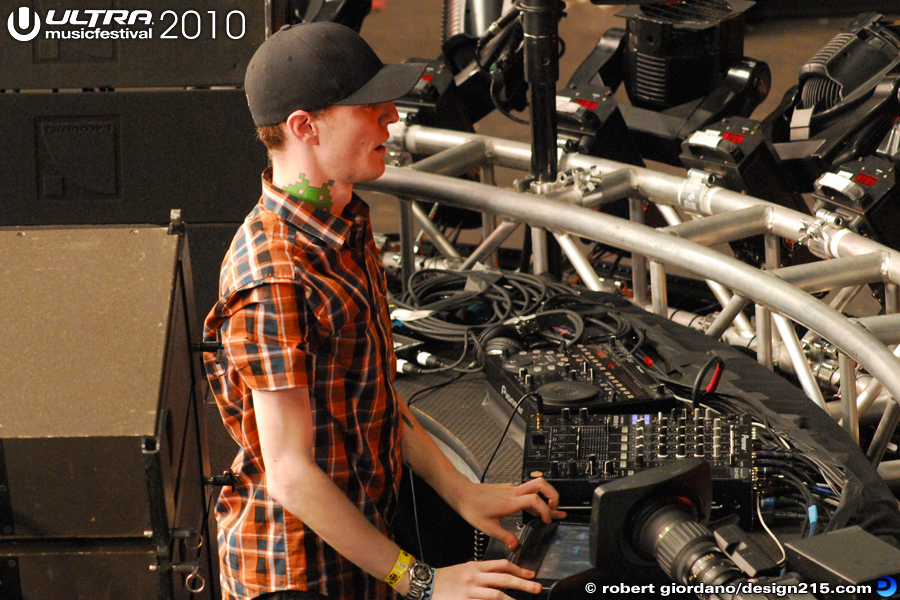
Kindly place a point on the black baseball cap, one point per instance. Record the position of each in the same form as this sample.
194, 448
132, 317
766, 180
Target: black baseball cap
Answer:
311, 66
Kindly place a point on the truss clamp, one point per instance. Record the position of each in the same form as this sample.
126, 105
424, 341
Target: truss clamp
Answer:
695, 189
570, 186
812, 234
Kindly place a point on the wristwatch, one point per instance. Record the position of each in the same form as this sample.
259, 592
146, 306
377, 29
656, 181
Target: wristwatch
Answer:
421, 582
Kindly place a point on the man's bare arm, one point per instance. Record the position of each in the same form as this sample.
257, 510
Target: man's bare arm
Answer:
482, 505
284, 420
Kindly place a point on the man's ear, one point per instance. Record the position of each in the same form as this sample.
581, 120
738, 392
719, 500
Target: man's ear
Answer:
299, 125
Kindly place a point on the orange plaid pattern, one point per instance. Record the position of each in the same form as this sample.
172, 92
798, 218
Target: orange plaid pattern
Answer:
303, 303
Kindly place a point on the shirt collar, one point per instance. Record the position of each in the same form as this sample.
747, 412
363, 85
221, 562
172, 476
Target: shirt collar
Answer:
330, 227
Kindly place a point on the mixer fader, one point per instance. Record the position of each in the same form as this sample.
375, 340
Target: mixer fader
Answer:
577, 451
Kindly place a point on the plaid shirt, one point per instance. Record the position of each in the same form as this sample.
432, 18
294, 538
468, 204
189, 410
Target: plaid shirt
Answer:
303, 304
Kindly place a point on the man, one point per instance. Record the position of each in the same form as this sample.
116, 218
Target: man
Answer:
303, 381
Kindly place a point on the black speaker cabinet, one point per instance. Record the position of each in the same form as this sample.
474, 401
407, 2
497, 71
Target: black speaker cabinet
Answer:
84, 158
102, 432
53, 44
128, 157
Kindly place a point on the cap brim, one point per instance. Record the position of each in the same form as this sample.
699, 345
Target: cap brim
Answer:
393, 81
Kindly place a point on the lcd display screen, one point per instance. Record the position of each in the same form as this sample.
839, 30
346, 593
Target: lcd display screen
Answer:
569, 552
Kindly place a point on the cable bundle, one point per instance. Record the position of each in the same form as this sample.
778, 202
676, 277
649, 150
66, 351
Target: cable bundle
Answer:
470, 301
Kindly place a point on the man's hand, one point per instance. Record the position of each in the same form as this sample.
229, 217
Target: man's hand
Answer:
483, 505
482, 580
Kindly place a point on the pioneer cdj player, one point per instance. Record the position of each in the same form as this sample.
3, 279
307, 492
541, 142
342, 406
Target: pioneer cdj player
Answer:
602, 378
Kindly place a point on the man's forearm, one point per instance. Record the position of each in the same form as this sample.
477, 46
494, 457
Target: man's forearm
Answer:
315, 499
427, 460
294, 479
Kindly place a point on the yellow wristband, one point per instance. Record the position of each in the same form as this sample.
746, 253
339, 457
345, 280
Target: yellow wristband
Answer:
399, 569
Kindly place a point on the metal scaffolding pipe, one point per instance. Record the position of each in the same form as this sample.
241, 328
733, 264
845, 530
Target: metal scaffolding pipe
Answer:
722, 228
660, 187
773, 251
731, 310
612, 186
488, 220
835, 273
884, 432
661, 247
698, 197
891, 298
722, 294
659, 293
455, 160
849, 415
407, 244
540, 262
840, 302
582, 266
490, 244
889, 470
884, 327
640, 277
443, 245
798, 359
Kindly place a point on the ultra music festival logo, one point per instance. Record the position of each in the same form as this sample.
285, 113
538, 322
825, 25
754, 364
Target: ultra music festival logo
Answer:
25, 24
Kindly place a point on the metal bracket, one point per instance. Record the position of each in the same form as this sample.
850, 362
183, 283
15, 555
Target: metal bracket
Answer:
694, 190
176, 222
570, 186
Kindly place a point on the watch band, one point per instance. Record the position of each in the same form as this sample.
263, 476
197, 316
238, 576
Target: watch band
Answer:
421, 581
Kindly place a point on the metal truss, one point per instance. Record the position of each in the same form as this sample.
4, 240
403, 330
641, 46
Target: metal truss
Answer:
857, 354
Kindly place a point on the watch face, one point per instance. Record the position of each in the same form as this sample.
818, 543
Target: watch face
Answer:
422, 572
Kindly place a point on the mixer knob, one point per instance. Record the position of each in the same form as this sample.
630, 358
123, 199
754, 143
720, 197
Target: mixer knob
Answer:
583, 415
698, 446
565, 415
663, 447
554, 470
572, 468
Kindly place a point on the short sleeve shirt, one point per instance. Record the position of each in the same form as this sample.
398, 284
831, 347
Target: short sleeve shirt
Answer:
303, 304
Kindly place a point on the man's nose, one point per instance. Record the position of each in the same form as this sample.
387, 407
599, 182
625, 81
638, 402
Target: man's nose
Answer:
389, 113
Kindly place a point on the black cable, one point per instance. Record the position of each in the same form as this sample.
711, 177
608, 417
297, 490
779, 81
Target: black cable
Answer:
713, 363
454, 366
456, 308
497, 79
503, 435
434, 387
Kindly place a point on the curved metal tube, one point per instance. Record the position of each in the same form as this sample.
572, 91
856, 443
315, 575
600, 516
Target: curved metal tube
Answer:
659, 187
765, 287
696, 195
